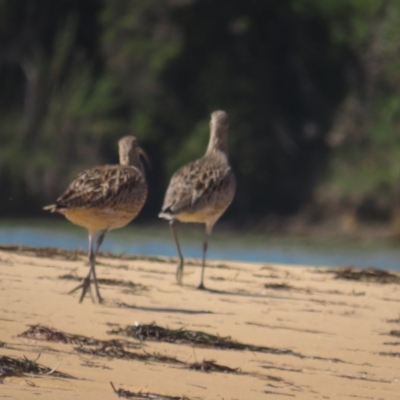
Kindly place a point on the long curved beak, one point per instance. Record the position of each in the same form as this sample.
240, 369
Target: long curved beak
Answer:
145, 156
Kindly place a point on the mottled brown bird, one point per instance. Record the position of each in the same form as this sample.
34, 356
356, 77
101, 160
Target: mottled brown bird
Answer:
202, 190
104, 198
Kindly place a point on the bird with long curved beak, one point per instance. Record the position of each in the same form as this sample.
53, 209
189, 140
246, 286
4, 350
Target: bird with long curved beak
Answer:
202, 190
104, 198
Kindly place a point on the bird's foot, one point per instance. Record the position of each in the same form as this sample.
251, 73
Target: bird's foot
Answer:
99, 298
85, 285
201, 286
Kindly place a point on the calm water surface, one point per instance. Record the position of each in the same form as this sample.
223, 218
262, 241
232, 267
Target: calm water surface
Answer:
237, 246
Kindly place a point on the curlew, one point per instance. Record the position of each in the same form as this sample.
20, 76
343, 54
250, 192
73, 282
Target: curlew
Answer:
104, 198
202, 190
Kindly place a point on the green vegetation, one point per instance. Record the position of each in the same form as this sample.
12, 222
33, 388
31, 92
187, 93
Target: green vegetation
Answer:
311, 87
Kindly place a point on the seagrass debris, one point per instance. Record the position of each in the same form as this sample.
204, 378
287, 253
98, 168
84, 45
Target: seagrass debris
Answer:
144, 395
116, 349
108, 282
153, 332
10, 366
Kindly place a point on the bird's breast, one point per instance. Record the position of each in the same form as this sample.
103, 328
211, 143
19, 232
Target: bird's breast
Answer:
98, 219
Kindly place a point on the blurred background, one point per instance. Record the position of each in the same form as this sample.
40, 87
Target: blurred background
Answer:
311, 88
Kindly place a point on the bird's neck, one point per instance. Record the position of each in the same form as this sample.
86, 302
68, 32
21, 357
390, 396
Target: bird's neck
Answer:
218, 141
131, 160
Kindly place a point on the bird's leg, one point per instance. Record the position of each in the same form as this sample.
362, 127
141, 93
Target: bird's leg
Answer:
92, 265
203, 264
179, 271
85, 285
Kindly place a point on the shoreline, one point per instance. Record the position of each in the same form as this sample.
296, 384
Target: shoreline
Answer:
325, 336
225, 244
295, 227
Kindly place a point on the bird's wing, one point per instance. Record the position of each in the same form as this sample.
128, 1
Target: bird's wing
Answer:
191, 183
99, 186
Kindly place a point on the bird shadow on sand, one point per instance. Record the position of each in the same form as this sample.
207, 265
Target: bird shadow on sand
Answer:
239, 293
165, 309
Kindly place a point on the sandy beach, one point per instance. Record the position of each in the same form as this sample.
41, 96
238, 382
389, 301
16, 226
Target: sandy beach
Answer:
271, 331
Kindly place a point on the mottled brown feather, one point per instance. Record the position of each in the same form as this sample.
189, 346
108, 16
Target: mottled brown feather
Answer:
104, 187
108, 196
199, 184
104, 198
201, 191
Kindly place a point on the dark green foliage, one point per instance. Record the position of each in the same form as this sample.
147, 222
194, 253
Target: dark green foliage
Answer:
305, 82
272, 70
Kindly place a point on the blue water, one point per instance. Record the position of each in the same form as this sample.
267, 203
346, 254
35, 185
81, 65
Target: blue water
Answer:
157, 241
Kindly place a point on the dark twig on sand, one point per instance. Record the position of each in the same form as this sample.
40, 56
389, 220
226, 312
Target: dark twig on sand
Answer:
144, 395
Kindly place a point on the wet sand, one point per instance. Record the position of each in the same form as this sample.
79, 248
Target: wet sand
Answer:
314, 336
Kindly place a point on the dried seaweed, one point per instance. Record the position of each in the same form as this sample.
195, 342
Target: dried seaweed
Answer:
141, 395
115, 349
48, 252
391, 343
390, 354
108, 282
153, 332
71, 255
39, 332
211, 366
10, 366
394, 333
280, 286
366, 275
